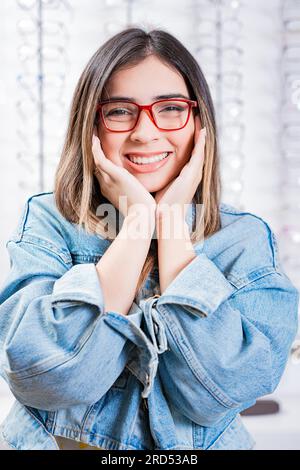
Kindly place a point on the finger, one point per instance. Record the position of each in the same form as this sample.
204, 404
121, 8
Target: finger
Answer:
99, 155
100, 160
197, 129
198, 150
199, 135
103, 178
97, 149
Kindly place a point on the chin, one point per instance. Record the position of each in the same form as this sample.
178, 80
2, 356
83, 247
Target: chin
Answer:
153, 189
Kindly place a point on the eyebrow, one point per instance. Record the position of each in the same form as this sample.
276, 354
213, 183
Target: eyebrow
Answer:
158, 97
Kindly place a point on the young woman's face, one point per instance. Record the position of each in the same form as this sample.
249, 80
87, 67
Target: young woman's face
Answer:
142, 83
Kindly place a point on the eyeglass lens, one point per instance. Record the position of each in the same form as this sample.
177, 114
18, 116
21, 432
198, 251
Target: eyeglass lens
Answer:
121, 115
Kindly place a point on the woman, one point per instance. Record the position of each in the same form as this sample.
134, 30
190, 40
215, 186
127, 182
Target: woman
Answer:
134, 339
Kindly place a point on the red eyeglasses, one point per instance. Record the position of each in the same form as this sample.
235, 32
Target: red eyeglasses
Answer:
167, 115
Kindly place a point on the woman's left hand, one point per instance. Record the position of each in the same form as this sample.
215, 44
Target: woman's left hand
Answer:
180, 191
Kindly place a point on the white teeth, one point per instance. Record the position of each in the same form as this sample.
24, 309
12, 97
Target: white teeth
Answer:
143, 161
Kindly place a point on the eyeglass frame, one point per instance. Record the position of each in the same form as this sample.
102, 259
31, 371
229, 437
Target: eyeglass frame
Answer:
148, 109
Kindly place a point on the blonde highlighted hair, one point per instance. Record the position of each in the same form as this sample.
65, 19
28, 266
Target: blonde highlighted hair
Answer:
77, 191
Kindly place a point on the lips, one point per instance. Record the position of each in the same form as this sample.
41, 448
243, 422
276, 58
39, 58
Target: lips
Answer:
147, 167
146, 155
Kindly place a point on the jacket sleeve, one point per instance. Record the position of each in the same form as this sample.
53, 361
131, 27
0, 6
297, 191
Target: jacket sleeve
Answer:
58, 348
228, 346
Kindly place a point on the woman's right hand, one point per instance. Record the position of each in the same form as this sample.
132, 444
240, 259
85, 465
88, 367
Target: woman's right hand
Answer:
115, 181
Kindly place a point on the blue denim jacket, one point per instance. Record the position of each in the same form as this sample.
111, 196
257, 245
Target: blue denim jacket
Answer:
175, 373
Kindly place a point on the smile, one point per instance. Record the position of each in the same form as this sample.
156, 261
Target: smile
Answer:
147, 164
144, 160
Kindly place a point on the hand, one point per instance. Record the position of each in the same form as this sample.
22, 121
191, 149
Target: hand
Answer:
181, 190
116, 181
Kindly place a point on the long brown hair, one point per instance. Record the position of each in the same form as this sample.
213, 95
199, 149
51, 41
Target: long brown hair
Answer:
77, 191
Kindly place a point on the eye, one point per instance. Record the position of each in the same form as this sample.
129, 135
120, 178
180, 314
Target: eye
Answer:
173, 108
117, 111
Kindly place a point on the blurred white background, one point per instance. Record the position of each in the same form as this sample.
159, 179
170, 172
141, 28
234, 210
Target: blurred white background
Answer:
250, 53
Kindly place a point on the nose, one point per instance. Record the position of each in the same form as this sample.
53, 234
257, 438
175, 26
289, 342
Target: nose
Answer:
145, 128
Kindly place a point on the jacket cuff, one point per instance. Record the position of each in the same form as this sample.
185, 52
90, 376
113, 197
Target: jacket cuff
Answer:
79, 284
143, 362
200, 286
155, 326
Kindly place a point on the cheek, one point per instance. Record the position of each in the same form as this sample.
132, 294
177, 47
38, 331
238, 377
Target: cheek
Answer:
185, 146
111, 145
104, 136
